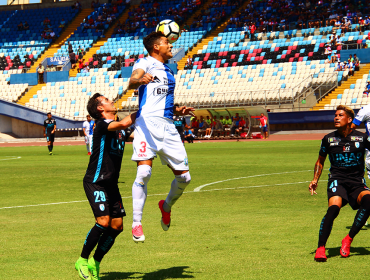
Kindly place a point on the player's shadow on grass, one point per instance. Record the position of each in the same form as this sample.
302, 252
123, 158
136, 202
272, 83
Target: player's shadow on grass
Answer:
177, 272
360, 251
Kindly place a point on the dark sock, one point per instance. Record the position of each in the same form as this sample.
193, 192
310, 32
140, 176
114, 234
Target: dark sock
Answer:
49, 148
327, 224
92, 239
361, 216
105, 243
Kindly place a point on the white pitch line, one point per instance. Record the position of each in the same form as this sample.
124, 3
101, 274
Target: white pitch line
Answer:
252, 176
127, 197
10, 158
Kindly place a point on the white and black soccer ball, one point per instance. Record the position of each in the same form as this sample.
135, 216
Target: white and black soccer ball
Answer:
170, 29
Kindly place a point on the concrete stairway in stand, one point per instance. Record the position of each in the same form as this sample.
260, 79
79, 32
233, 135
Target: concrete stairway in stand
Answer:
102, 41
62, 38
345, 85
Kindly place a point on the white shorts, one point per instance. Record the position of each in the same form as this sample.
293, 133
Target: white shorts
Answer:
157, 136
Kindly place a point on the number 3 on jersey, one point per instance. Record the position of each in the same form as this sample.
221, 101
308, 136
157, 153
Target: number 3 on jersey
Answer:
143, 147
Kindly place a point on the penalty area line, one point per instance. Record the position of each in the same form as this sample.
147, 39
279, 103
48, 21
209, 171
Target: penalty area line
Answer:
127, 197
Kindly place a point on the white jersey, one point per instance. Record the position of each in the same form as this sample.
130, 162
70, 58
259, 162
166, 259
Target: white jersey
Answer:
86, 126
363, 116
156, 98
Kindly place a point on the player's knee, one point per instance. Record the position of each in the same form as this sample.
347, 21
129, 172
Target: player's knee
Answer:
365, 201
184, 179
144, 172
103, 221
333, 211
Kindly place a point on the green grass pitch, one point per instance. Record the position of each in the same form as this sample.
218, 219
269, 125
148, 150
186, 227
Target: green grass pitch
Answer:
253, 227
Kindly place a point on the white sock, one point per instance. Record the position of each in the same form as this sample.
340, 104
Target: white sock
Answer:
139, 192
178, 186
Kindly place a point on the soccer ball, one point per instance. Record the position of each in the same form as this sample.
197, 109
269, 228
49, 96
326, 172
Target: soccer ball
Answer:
170, 29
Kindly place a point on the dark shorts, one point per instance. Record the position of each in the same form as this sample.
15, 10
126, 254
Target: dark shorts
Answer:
264, 129
347, 189
50, 137
105, 199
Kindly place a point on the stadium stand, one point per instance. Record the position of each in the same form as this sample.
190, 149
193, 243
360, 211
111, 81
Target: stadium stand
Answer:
10, 92
20, 48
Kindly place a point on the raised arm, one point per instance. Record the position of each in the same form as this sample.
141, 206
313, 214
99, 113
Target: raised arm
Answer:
317, 173
183, 111
123, 124
138, 78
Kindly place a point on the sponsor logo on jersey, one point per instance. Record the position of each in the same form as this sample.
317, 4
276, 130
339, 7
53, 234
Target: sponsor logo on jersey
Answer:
357, 144
334, 144
333, 139
334, 189
141, 155
156, 80
101, 207
357, 138
347, 148
140, 185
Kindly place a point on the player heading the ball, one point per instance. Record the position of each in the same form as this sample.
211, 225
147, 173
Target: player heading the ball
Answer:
155, 133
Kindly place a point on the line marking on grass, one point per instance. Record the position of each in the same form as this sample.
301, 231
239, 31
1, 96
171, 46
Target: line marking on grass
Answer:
127, 197
252, 176
10, 158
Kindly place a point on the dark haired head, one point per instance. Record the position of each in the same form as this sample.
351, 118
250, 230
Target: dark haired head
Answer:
151, 39
92, 106
176, 105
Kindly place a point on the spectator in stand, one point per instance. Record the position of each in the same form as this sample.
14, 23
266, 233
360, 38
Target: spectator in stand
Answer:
351, 68
81, 52
26, 26
20, 26
93, 4
339, 66
350, 59
62, 23
367, 88
80, 65
86, 68
189, 136
41, 71
70, 48
264, 126
189, 60
252, 30
356, 62
52, 35
72, 59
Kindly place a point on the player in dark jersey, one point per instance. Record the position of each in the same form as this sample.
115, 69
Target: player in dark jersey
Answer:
101, 183
50, 125
180, 124
346, 184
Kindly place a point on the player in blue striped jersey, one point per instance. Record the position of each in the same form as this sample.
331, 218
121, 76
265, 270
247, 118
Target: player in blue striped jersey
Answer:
155, 133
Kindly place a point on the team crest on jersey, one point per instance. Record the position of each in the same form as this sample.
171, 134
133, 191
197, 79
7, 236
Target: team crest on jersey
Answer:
334, 189
101, 207
357, 144
186, 161
333, 139
357, 138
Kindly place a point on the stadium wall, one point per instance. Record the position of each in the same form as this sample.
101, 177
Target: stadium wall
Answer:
303, 120
362, 54
28, 123
24, 78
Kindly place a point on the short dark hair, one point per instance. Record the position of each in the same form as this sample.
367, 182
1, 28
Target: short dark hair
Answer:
176, 105
152, 39
92, 106
49, 113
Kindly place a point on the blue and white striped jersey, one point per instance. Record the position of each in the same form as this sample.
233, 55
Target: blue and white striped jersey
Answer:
363, 116
156, 98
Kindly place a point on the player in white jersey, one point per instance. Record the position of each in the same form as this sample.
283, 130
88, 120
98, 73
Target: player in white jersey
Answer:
363, 116
155, 133
88, 127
